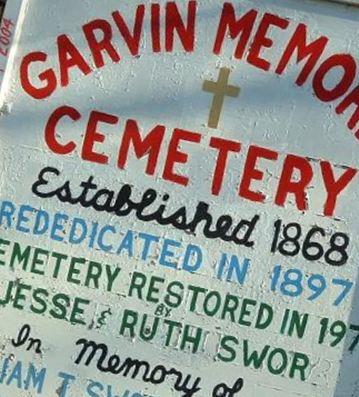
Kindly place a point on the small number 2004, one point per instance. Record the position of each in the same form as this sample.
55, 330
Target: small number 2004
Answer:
5, 36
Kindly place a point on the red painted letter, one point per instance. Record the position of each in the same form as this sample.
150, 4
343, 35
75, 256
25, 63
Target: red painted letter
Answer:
174, 23
289, 186
92, 136
48, 76
69, 56
261, 40
97, 47
50, 130
334, 187
133, 39
175, 156
156, 27
351, 99
298, 43
243, 26
252, 173
224, 147
149, 146
348, 64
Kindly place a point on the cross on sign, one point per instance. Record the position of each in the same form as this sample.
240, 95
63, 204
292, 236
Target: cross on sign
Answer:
220, 89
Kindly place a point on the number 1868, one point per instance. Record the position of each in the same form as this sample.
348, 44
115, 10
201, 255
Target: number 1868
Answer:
290, 240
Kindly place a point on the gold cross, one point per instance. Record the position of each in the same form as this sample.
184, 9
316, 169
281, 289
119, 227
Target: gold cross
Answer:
220, 89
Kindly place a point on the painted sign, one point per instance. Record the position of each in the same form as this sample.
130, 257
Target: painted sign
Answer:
178, 200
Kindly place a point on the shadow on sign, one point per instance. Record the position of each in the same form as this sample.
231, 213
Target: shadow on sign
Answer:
348, 380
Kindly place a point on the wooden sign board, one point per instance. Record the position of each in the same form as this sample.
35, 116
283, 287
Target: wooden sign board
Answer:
178, 199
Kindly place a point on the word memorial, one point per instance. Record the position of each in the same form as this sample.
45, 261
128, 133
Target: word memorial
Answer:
178, 198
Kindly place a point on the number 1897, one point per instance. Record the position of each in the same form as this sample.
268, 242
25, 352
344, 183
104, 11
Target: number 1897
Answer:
294, 283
